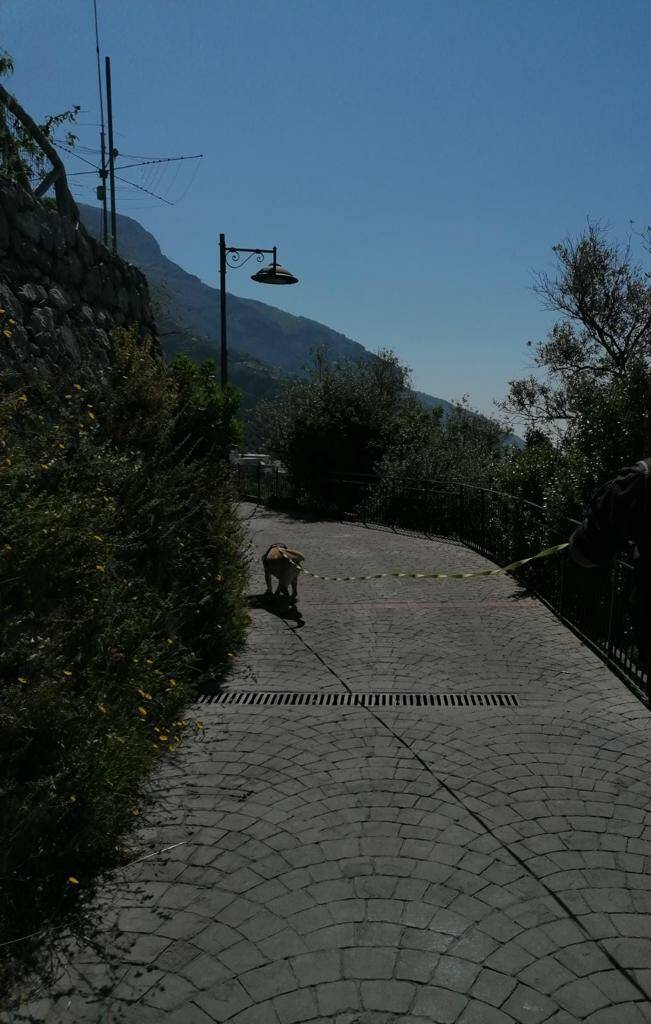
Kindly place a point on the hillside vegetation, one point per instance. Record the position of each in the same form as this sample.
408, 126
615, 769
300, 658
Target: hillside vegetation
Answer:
124, 574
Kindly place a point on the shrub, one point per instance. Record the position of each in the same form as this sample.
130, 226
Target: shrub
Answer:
123, 588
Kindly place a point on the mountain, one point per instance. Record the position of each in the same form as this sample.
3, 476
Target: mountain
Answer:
265, 343
268, 334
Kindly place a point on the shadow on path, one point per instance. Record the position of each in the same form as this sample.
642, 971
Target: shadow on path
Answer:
279, 606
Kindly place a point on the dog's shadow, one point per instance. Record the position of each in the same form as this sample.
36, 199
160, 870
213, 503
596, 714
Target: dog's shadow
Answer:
279, 606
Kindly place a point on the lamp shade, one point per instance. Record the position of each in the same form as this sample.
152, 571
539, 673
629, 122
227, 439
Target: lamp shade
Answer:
274, 274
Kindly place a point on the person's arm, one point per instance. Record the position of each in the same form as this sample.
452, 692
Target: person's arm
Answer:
613, 518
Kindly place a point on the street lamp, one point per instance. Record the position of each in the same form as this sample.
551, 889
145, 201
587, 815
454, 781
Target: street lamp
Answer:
229, 255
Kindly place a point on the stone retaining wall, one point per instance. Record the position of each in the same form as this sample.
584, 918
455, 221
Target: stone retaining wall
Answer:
64, 290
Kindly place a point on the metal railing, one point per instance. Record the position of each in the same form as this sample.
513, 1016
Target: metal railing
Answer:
595, 604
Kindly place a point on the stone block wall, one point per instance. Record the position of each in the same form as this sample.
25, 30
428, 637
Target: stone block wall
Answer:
65, 292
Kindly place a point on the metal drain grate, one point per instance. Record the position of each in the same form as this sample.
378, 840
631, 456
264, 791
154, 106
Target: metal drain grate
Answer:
366, 700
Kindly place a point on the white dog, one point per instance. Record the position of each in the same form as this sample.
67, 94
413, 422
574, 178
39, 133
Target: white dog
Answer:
277, 561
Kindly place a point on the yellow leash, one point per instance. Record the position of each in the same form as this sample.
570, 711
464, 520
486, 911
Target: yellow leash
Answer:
433, 575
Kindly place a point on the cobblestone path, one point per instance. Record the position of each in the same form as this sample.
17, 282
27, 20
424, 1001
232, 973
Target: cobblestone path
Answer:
376, 865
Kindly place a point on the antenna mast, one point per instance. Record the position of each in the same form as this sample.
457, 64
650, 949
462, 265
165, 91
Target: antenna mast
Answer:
101, 190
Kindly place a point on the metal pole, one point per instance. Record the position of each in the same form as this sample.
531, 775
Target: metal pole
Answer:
103, 175
222, 305
102, 136
109, 110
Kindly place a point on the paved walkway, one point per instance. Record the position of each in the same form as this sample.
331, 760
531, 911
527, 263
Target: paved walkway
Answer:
376, 865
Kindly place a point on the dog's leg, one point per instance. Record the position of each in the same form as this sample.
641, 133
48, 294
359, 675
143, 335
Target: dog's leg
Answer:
267, 579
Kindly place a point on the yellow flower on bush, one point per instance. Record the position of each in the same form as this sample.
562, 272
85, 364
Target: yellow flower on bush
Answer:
22, 680
101, 568
163, 737
72, 880
67, 672
97, 537
144, 694
23, 398
142, 712
102, 709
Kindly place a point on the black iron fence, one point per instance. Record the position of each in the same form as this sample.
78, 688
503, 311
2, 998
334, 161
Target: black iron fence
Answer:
596, 604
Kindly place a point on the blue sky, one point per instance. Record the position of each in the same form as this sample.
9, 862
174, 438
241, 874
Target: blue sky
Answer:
414, 162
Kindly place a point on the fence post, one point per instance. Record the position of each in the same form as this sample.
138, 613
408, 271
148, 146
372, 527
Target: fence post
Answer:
611, 611
275, 481
561, 593
460, 517
259, 481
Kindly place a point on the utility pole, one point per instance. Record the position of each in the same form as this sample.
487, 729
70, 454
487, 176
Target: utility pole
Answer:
112, 155
222, 304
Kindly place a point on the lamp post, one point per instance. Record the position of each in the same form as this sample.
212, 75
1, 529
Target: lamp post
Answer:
230, 255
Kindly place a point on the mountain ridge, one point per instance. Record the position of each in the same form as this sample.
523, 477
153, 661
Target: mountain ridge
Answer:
265, 342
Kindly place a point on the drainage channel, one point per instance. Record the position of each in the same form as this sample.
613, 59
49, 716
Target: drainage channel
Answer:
365, 700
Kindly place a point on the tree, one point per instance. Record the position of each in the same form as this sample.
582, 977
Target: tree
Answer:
594, 401
464, 446
340, 419
605, 329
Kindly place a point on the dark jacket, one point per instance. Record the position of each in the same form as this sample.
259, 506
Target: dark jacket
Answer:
619, 513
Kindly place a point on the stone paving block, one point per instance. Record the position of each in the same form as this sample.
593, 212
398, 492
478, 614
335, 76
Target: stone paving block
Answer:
348, 910
454, 973
215, 937
337, 996
261, 1013
296, 1006
242, 956
492, 987
190, 1013
438, 1004
585, 958
394, 996
136, 983
306, 921
546, 975
415, 965
262, 926
368, 962
170, 994
528, 1006
204, 971
313, 968
483, 1013
581, 997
